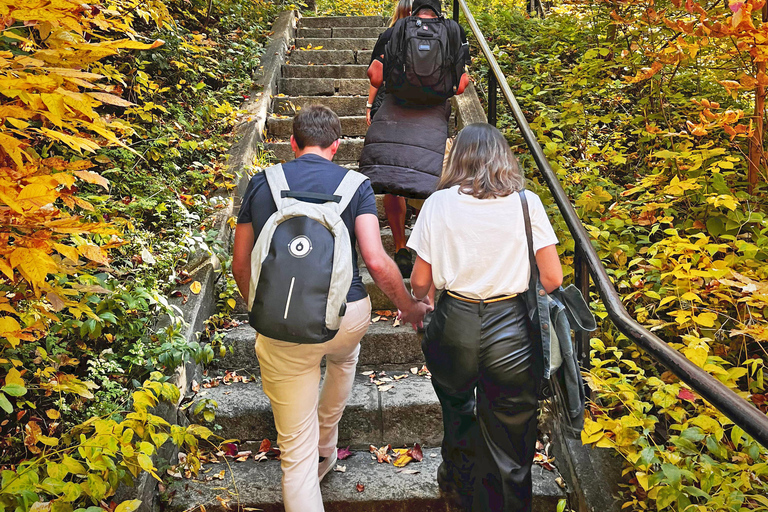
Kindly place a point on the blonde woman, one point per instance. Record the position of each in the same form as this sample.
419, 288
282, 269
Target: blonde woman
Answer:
470, 242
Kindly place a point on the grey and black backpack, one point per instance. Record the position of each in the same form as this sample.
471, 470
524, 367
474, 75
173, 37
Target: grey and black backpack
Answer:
422, 62
301, 265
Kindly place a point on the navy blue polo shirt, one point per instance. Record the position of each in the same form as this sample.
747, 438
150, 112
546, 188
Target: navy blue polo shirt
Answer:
311, 173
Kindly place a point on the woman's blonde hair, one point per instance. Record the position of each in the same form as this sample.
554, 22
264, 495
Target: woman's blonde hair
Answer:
481, 164
402, 10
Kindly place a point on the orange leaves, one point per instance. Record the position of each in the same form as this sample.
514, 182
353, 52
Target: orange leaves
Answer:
646, 73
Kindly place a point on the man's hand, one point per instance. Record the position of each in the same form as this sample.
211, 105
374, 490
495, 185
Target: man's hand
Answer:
415, 314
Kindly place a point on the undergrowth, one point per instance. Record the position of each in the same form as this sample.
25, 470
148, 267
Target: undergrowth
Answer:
647, 124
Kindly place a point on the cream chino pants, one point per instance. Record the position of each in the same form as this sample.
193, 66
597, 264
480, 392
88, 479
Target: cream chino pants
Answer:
307, 423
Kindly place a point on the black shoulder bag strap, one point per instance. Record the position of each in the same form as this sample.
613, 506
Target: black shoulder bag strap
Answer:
531, 256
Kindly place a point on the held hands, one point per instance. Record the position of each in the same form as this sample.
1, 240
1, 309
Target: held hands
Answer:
415, 314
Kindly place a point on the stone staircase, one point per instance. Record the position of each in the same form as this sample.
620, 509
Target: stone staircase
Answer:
402, 415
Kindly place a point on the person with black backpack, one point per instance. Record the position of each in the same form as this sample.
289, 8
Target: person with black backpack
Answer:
420, 62
295, 262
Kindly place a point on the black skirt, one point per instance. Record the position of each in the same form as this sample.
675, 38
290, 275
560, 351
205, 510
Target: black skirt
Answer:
405, 147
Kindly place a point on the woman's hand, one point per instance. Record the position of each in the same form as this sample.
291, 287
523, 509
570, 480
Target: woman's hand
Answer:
368, 116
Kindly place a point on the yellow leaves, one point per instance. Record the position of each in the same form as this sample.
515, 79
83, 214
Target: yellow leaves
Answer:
592, 431
94, 253
11, 147
76, 143
67, 251
678, 188
35, 196
14, 378
195, 287
706, 319
110, 99
697, 349
92, 177
726, 200
34, 264
731, 87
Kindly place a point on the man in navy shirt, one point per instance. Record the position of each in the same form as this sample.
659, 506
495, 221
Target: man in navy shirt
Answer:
307, 425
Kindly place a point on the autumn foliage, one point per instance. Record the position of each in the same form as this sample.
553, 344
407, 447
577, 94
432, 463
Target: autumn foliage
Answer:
51, 86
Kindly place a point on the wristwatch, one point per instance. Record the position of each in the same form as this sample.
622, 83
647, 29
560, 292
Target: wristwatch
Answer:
369, 105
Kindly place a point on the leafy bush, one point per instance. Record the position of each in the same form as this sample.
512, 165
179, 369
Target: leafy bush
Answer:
645, 116
115, 120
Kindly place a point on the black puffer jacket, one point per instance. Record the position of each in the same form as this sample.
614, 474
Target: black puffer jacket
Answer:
404, 148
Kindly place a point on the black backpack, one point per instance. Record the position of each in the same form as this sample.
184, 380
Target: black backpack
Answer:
422, 60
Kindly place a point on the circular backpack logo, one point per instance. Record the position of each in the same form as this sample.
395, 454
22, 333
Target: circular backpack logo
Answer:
300, 246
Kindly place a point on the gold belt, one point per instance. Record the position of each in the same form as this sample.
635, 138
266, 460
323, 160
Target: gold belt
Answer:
480, 301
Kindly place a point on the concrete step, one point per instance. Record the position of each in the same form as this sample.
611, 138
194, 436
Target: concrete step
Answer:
321, 57
314, 32
379, 301
308, 86
342, 105
336, 43
366, 32
351, 126
323, 86
408, 412
255, 485
382, 345
343, 21
352, 87
328, 71
349, 150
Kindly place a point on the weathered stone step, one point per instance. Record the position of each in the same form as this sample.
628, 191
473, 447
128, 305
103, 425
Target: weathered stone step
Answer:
378, 299
323, 86
343, 21
341, 32
330, 71
342, 105
255, 485
321, 57
349, 150
351, 126
336, 43
383, 344
408, 412
314, 32
354, 32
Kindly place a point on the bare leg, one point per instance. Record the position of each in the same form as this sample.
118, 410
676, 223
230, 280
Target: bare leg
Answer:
395, 208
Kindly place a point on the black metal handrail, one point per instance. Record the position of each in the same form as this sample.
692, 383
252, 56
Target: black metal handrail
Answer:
587, 263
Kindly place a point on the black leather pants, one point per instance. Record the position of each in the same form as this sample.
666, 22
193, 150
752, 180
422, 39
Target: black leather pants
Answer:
486, 371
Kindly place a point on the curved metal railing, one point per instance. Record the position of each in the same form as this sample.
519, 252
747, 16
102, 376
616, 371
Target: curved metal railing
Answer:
587, 263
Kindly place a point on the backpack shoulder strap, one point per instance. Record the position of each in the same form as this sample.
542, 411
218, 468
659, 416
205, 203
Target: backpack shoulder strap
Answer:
454, 39
394, 47
277, 183
347, 188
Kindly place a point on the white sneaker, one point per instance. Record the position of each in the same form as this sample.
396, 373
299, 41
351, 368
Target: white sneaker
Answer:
326, 466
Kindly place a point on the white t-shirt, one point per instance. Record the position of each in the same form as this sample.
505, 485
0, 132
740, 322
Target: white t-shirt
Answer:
477, 247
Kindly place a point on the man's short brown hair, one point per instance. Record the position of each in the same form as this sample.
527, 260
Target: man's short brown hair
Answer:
316, 125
